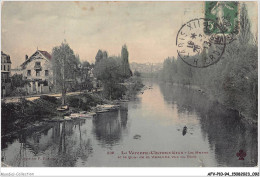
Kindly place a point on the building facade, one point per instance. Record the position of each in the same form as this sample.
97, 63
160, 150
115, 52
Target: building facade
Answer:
37, 69
5, 74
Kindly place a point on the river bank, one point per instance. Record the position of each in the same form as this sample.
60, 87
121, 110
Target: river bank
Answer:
26, 114
245, 118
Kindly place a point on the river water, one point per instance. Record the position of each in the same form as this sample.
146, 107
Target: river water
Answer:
151, 126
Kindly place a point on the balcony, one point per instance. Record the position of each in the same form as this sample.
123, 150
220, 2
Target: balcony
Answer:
38, 67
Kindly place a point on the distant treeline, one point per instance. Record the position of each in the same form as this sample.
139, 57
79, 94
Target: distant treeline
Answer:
232, 80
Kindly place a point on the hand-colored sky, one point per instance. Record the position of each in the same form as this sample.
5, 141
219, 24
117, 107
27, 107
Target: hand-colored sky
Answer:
149, 29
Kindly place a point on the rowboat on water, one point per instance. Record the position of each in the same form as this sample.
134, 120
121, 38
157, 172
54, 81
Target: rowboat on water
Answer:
67, 118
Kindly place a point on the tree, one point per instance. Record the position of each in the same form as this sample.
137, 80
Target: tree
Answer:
86, 64
18, 81
108, 72
126, 71
84, 80
105, 55
99, 56
65, 67
245, 34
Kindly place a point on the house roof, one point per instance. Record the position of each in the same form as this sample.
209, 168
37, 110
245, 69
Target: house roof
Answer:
43, 53
46, 54
7, 57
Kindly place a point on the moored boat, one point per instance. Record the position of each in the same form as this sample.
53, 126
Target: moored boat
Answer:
67, 118
63, 108
106, 108
80, 115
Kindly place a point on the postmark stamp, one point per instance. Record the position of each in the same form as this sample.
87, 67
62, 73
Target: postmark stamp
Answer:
226, 15
197, 48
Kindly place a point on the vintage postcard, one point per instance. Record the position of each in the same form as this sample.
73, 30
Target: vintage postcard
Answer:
129, 84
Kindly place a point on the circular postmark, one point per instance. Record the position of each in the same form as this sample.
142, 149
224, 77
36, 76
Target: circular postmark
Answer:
196, 46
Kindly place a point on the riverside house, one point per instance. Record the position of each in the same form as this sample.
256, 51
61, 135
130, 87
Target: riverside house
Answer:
5, 74
37, 69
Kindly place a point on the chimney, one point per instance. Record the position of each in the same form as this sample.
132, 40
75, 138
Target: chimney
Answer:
26, 57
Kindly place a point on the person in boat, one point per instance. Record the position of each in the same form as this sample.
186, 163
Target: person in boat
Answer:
184, 131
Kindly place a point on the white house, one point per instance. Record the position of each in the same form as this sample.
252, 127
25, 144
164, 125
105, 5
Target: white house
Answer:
37, 69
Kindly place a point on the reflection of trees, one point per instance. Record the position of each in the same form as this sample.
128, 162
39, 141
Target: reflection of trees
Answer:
18, 159
85, 147
69, 147
124, 116
224, 129
66, 143
7, 140
227, 134
183, 97
32, 139
107, 127
60, 145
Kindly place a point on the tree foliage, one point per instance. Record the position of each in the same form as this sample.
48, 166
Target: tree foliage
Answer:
101, 55
232, 80
245, 26
126, 71
108, 72
64, 61
18, 81
112, 71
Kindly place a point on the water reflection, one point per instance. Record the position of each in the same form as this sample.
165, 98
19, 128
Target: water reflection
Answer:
223, 128
108, 126
69, 145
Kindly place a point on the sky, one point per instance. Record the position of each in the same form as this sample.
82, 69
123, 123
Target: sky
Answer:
148, 29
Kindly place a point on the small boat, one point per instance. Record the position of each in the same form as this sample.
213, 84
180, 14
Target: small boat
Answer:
106, 108
91, 113
74, 115
80, 115
109, 106
184, 131
101, 111
67, 118
85, 116
63, 108
137, 137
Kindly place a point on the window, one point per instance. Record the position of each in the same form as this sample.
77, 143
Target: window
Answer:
45, 83
28, 72
46, 73
8, 68
38, 73
37, 63
4, 67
